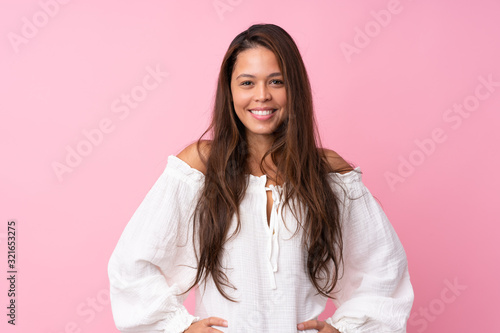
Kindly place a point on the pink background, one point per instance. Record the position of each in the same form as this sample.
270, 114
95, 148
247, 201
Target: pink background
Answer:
63, 74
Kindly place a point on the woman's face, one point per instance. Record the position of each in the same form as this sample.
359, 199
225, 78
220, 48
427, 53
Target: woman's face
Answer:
259, 94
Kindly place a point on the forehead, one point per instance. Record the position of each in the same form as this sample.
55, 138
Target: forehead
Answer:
258, 60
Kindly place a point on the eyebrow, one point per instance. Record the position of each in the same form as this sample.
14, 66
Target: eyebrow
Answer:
253, 76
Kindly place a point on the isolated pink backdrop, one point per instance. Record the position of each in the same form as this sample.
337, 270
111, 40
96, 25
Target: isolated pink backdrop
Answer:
387, 91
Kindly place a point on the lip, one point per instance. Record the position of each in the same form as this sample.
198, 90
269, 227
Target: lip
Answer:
262, 109
259, 117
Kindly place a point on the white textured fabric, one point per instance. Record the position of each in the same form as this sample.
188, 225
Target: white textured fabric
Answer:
154, 260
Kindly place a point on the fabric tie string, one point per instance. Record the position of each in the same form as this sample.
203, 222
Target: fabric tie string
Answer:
274, 227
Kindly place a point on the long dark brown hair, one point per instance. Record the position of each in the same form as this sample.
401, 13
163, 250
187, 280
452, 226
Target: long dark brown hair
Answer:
296, 153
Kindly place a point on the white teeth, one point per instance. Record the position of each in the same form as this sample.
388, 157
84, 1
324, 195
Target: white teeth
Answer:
262, 113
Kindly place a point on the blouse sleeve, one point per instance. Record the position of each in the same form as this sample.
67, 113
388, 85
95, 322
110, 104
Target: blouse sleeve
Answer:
374, 294
150, 263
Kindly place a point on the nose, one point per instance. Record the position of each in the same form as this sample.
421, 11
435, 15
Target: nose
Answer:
262, 93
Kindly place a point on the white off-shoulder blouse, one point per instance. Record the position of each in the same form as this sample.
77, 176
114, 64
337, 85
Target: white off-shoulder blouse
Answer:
154, 260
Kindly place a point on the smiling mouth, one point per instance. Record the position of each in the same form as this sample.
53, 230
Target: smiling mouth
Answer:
263, 112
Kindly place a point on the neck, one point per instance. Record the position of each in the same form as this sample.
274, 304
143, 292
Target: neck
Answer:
258, 145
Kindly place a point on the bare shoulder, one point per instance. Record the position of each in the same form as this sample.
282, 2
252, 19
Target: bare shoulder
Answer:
337, 163
192, 156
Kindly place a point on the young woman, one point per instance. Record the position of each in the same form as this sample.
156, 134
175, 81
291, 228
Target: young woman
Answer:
265, 222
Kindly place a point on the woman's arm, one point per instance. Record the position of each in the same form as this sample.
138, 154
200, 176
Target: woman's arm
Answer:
143, 269
374, 294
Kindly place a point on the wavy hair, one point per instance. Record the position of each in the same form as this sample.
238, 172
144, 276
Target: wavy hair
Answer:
295, 151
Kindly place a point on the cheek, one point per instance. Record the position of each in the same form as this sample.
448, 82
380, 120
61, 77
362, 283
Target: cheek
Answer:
283, 98
239, 106
240, 101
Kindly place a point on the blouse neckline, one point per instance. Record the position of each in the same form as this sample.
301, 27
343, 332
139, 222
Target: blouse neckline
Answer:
347, 177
